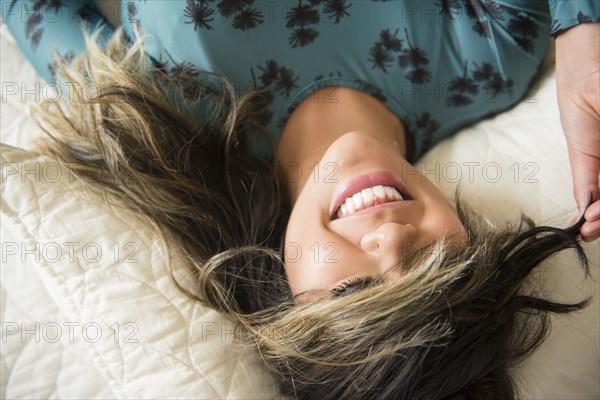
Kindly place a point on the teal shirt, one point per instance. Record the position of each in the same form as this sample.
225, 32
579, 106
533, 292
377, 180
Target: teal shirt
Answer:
439, 65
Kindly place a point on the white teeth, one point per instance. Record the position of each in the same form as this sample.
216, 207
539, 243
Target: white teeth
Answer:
357, 200
389, 192
349, 205
379, 191
343, 209
392, 193
368, 197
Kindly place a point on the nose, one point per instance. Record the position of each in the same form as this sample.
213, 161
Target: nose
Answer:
389, 242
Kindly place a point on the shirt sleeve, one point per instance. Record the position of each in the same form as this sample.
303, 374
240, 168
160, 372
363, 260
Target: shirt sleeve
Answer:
42, 26
568, 13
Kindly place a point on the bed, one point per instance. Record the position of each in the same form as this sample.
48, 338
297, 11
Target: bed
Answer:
88, 309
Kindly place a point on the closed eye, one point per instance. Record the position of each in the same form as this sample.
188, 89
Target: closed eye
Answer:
347, 287
353, 285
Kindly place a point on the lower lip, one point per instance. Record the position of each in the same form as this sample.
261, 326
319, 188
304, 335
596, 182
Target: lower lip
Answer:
361, 182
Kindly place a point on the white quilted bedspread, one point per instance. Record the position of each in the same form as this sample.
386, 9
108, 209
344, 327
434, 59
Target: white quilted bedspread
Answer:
88, 310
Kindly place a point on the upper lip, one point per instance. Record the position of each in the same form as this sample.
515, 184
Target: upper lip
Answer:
361, 182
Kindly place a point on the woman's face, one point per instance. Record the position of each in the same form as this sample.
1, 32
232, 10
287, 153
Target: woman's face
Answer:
334, 235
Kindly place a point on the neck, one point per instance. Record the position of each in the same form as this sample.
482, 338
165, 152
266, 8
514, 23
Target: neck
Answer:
321, 119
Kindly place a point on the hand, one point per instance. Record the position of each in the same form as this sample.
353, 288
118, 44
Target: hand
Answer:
578, 86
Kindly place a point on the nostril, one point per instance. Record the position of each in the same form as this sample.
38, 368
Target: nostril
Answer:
370, 242
389, 236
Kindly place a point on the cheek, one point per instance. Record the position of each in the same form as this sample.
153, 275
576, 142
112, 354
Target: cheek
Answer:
294, 259
443, 220
301, 233
459, 231
439, 216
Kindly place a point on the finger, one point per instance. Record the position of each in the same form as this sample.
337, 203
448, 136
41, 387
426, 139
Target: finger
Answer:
593, 212
585, 171
590, 231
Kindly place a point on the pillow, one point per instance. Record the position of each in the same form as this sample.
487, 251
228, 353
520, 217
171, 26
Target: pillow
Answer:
103, 273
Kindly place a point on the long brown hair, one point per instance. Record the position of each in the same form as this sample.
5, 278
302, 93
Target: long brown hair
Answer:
171, 144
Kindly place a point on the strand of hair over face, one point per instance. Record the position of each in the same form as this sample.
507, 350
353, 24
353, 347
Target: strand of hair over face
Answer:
455, 326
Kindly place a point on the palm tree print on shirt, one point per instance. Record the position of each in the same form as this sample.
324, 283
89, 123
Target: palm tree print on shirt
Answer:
337, 9
463, 90
33, 32
303, 15
50, 5
495, 85
187, 76
299, 17
88, 12
449, 8
335, 74
581, 18
481, 13
66, 58
274, 78
415, 59
381, 53
411, 59
421, 125
523, 30
426, 125
201, 13
520, 25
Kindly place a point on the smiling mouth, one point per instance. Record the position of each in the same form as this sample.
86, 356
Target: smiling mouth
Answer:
367, 198
368, 191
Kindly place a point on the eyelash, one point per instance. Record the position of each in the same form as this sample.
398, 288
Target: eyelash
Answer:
342, 288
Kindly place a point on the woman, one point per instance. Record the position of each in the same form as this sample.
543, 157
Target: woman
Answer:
383, 294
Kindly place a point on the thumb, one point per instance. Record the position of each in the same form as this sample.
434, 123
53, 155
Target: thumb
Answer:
585, 170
